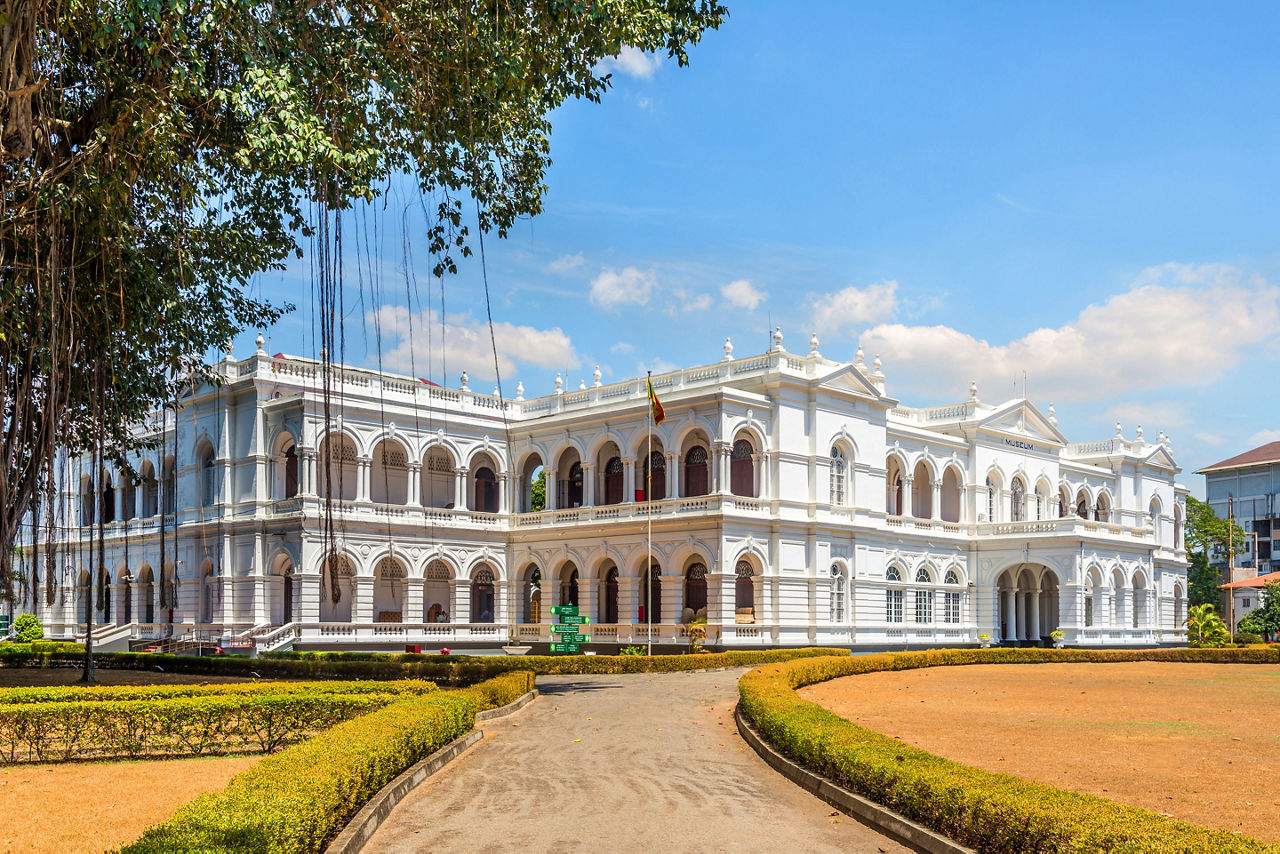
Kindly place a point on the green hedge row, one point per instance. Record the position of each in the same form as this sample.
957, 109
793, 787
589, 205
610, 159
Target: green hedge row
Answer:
186, 726
986, 811
94, 693
297, 800
455, 671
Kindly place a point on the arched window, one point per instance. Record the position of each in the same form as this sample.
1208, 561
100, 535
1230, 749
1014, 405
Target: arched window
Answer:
893, 597
653, 612
1082, 504
388, 591
837, 477
290, 472
1177, 526
1155, 519
613, 477
1017, 501
439, 482
88, 501
655, 476
991, 500
921, 492
437, 592
389, 477
1102, 512
108, 502
837, 594
208, 479
951, 495
169, 487
742, 477
695, 592
951, 598
573, 497
695, 472
893, 487
924, 598
744, 593
482, 599
486, 494
1179, 605
611, 596
569, 585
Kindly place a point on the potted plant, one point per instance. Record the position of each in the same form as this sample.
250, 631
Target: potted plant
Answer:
985, 640
1058, 638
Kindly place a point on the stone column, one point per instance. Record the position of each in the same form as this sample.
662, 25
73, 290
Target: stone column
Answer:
460, 489
415, 484
908, 495
553, 488
504, 498
935, 504
628, 480
1033, 631
588, 485
414, 610
460, 608
757, 475
673, 475
588, 599
363, 477
723, 480
1018, 624
362, 599
306, 471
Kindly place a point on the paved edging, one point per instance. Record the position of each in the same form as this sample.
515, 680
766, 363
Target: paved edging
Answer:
366, 821
866, 811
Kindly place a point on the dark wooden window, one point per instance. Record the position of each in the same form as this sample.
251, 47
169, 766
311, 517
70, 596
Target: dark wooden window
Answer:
695, 472
742, 474
613, 481
695, 588
611, 596
655, 477
486, 490
291, 472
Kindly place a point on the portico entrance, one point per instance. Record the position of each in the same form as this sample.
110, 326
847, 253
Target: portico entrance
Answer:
1027, 605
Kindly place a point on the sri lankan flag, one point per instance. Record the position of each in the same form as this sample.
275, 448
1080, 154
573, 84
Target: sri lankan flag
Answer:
658, 412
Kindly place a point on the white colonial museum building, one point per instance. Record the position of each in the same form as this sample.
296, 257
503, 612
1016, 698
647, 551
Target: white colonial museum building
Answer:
793, 502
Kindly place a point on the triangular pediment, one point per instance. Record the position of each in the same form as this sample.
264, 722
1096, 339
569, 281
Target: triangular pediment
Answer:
1019, 420
847, 379
1160, 457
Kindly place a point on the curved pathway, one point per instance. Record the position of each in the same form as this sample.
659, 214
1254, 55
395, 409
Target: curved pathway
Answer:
642, 762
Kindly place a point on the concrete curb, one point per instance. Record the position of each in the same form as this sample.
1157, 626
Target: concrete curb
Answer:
514, 706
868, 812
362, 826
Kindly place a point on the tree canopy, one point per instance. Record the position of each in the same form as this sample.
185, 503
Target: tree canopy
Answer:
1206, 532
1265, 619
157, 154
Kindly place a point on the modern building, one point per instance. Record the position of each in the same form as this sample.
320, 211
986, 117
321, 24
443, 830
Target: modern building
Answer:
1250, 482
786, 497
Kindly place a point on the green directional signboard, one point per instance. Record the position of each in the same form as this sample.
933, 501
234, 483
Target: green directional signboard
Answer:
567, 630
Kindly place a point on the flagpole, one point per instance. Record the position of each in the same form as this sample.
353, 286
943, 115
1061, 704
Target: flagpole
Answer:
648, 493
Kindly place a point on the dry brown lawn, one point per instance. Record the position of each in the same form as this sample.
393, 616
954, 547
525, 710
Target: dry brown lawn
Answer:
14, 677
99, 806
1200, 742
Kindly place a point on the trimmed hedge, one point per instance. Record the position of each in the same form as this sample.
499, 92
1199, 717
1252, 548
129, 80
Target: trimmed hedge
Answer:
987, 811
455, 671
297, 800
186, 726
94, 693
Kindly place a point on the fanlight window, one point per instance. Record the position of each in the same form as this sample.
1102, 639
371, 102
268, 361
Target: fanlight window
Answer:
892, 574
922, 576
837, 476
951, 578
438, 571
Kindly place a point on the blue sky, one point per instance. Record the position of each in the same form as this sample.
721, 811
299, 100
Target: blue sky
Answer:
1085, 193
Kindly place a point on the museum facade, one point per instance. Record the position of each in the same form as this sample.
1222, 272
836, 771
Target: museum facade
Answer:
785, 498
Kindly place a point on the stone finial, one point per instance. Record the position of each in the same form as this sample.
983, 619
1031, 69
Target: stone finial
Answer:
1140, 439
496, 393
859, 358
777, 338
1160, 439
1053, 415
582, 385
465, 380
258, 342
595, 376
728, 349
876, 365
559, 384
324, 354
520, 390
813, 345
1119, 430
973, 390
228, 347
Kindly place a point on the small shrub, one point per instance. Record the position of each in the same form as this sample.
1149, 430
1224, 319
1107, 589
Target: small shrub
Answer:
631, 650
27, 628
1248, 638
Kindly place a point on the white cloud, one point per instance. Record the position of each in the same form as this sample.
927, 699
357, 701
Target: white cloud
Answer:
614, 288
565, 263
854, 307
658, 366
743, 294
622, 347
467, 346
1262, 437
1213, 439
1179, 325
631, 61
702, 302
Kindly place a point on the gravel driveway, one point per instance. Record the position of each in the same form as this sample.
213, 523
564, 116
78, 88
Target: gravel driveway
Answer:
644, 762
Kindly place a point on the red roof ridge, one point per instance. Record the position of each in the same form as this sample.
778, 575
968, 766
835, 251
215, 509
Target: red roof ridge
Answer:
1257, 581
1268, 453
